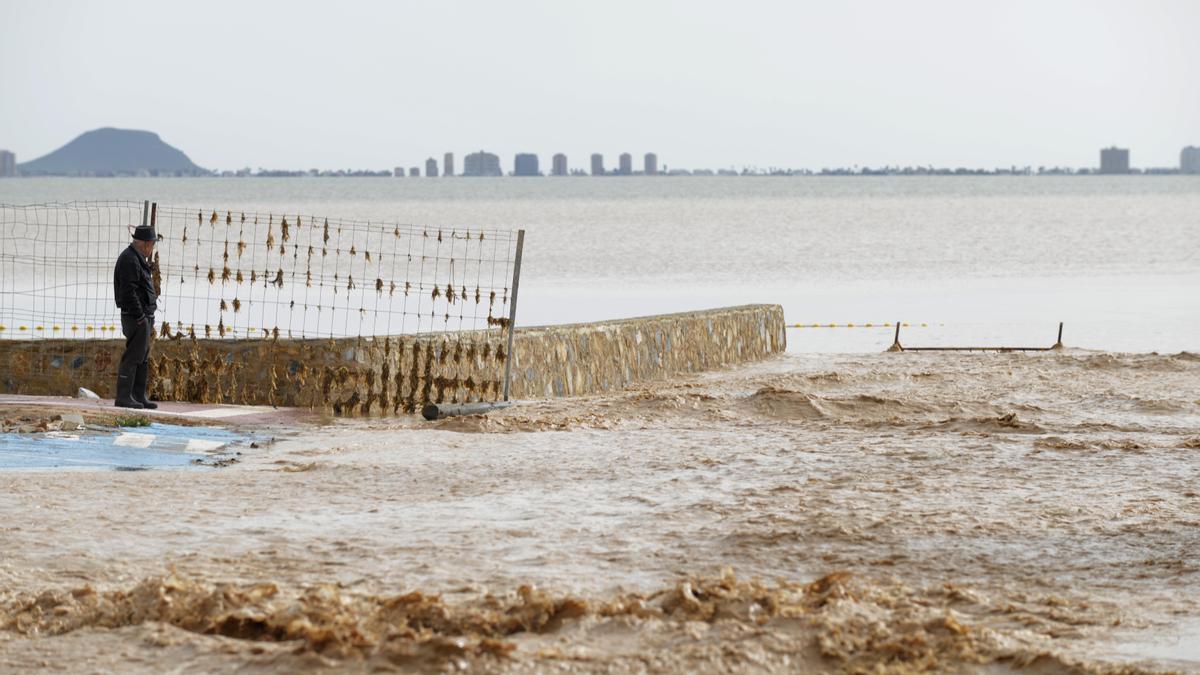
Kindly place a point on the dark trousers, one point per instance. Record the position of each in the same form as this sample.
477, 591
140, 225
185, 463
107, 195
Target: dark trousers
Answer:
137, 353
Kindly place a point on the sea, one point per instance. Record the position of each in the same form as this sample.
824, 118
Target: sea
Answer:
958, 261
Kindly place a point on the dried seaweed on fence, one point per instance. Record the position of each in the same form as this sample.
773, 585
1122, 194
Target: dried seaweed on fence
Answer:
61, 287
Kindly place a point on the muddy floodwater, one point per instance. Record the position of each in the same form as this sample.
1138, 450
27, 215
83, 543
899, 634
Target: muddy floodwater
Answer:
875, 512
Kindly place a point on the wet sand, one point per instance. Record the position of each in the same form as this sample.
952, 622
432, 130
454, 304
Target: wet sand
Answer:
882, 512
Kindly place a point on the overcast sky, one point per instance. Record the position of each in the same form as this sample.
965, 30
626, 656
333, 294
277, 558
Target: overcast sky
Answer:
704, 84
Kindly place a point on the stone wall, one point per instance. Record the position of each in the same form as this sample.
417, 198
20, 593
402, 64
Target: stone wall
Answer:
381, 376
587, 358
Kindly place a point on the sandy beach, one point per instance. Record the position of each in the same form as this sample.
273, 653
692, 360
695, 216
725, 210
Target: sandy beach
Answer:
876, 512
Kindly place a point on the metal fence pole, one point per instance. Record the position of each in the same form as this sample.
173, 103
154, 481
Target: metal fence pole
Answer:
896, 341
512, 313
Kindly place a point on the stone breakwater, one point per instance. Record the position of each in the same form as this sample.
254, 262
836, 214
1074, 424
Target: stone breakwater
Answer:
399, 374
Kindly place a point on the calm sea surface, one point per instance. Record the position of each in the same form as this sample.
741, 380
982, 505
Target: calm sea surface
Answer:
988, 260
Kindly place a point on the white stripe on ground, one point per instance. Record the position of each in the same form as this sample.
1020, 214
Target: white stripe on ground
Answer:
61, 435
134, 440
202, 445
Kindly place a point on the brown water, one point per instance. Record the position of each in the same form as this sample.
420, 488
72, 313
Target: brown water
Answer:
901, 512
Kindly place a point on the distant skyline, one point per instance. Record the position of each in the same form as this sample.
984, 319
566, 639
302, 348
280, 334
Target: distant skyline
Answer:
704, 84
124, 152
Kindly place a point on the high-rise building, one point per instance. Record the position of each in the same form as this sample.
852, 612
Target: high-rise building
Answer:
431, 167
481, 164
1114, 160
526, 164
597, 164
626, 166
398, 172
1189, 160
559, 165
8, 164
448, 164
414, 172
651, 166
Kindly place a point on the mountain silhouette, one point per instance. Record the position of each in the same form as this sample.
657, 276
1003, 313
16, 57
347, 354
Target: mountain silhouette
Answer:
112, 152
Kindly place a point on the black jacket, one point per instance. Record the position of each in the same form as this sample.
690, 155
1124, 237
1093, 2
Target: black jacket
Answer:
133, 286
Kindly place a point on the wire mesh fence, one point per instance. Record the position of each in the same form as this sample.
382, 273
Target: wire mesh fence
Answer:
233, 275
56, 271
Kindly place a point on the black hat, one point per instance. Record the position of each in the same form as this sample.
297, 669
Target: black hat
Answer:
144, 233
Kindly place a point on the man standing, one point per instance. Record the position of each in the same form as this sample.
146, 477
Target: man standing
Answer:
133, 289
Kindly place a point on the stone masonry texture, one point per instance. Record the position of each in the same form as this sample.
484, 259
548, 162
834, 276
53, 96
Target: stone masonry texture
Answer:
400, 374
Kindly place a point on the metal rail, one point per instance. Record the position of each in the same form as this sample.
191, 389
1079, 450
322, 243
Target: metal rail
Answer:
897, 347
437, 411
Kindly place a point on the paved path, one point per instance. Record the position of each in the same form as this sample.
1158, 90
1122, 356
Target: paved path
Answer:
247, 415
156, 446
226, 430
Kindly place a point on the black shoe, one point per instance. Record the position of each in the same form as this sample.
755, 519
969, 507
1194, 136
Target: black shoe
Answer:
139, 388
128, 404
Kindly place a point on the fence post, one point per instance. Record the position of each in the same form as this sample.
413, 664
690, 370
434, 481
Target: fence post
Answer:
896, 341
156, 269
145, 212
512, 313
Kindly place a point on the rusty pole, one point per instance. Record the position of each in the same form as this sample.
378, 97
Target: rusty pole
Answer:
512, 312
896, 341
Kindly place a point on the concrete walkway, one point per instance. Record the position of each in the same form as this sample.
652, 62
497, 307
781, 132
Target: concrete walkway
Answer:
241, 415
179, 435
157, 446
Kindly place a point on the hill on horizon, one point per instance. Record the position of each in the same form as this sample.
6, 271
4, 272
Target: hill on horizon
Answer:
113, 152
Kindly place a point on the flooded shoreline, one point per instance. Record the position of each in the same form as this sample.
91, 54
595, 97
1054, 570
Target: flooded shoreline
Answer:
958, 512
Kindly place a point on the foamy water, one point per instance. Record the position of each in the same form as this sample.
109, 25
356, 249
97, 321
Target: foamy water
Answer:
970, 512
